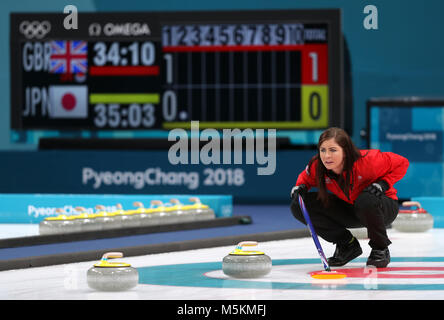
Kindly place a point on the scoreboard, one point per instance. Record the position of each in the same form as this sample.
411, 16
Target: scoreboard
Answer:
161, 70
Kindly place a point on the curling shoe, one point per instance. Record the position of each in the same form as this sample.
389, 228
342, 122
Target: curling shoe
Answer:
344, 253
379, 258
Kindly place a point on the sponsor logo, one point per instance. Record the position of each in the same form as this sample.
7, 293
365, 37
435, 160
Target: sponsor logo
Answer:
120, 29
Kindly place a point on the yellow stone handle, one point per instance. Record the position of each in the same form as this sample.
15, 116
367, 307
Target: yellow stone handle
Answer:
158, 202
109, 255
246, 244
138, 204
195, 199
112, 255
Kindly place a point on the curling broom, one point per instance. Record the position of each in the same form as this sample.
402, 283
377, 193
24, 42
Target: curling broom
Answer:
328, 273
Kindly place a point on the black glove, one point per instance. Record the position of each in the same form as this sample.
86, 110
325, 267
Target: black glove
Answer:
377, 188
298, 190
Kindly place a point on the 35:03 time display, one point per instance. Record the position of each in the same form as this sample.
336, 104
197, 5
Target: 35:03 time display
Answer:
116, 116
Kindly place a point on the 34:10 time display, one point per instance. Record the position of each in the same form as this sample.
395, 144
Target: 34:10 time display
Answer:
121, 53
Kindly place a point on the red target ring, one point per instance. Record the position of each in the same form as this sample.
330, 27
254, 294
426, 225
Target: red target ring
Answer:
395, 272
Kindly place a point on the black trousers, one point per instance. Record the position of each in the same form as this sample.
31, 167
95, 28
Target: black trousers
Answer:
368, 211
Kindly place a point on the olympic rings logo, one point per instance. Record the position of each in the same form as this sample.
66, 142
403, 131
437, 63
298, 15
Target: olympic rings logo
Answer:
35, 29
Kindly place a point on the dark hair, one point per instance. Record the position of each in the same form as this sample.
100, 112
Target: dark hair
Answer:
351, 154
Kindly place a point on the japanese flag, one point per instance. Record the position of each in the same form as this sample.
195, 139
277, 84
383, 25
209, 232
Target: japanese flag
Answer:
68, 101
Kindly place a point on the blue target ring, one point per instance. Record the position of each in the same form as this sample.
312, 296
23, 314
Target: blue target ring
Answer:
193, 275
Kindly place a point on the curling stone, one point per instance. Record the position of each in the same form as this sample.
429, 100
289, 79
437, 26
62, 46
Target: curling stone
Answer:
161, 212
57, 225
173, 212
413, 220
245, 263
182, 213
106, 219
112, 276
121, 218
84, 220
46, 226
201, 211
146, 216
129, 218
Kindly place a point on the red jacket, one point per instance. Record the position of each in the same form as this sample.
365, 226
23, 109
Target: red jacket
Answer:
373, 166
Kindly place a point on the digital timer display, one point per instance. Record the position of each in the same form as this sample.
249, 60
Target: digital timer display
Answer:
130, 71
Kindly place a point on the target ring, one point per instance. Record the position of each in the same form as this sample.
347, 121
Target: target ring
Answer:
421, 273
395, 272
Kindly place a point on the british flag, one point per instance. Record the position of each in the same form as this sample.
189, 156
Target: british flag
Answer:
68, 57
